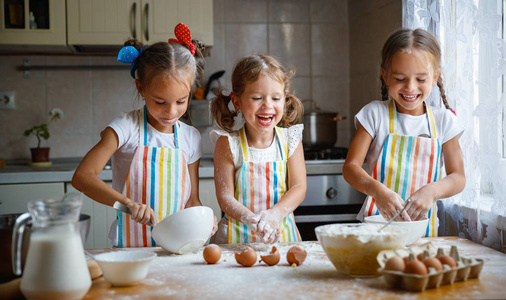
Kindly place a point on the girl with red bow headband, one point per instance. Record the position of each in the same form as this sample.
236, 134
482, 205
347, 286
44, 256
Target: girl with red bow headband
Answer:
155, 157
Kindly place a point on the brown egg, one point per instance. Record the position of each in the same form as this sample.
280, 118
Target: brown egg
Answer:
212, 253
272, 258
247, 257
432, 262
411, 256
296, 255
415, 267
395, 263
405, 259
447, 260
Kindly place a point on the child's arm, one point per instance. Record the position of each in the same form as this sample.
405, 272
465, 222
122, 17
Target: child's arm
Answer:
194, 199
453, 183
269, 221
387, 201
224, 181
86, 179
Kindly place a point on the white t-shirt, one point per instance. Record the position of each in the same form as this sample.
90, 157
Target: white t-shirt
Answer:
127, 129
292, 135
374, 117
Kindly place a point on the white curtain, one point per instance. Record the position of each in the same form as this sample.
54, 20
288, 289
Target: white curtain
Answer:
473, 65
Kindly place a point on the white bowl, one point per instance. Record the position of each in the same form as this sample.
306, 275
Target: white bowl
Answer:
353, 248
186, 230
417, 228
125, 268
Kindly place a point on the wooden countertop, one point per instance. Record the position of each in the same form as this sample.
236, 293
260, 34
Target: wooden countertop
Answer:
190, 277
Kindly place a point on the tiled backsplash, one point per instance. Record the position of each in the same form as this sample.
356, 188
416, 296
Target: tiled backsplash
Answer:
311, 36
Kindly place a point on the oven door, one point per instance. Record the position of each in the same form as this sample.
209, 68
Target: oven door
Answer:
329, 199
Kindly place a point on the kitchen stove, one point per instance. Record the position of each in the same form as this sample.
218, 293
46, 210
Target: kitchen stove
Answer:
325, 153
329, 198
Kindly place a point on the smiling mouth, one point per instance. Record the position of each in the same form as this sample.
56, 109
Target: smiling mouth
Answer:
410, 98
265, 119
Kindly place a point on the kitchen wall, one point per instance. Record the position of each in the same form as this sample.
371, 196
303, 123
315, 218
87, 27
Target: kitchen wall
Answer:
332, 44
371, 22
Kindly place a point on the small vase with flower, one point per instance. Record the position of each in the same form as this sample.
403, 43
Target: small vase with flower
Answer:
40, 155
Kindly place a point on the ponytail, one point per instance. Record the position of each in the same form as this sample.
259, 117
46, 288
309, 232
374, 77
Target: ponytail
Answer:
222, 115
293, 111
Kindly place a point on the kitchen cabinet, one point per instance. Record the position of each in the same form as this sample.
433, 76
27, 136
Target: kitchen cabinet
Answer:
29, 22
149, 21
15, 197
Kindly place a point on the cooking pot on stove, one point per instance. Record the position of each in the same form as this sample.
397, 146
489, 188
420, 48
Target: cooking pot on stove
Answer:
320, 127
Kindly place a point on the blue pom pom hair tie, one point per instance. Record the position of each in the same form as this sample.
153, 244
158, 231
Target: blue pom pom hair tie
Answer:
129, 55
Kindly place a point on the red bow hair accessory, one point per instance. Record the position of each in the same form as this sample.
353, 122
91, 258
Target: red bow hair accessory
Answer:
183, 36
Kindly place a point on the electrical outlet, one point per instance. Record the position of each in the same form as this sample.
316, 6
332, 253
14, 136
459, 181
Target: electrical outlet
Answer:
7, 100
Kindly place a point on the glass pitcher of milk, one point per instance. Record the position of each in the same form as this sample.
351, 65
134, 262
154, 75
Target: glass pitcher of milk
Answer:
55, 266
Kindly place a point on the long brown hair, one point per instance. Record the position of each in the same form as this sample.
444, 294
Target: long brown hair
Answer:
405, 39
246, 71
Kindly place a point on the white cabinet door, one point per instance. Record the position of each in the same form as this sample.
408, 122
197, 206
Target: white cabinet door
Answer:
15, 197
207, 194
47, 27
161, 16
102, 217
97, 22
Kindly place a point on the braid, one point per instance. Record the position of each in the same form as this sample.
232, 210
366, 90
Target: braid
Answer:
442, 92
384, 89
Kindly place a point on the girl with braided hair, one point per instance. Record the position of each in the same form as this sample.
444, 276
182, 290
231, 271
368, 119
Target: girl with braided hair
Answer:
406, 142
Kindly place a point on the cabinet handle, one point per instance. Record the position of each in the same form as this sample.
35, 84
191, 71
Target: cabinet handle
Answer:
146, 31
132, 20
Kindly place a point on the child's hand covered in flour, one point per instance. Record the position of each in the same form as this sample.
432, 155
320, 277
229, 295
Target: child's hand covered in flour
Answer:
251, 220
268, 225
389, 203
421, 202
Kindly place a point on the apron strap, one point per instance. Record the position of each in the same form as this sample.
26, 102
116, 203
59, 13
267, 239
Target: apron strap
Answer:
393, 118
143, 126
176, 139
244, 146
143, 129
283, 147
432, 123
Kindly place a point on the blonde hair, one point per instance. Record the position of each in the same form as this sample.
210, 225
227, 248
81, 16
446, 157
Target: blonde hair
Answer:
246, 71
406, 39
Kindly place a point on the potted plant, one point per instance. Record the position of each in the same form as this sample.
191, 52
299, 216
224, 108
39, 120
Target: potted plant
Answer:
41, 154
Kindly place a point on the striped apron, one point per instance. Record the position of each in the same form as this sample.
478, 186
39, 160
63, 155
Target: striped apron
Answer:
407, 163
259, 186
157, 177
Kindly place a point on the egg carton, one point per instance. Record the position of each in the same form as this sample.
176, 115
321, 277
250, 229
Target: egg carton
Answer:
466, 268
